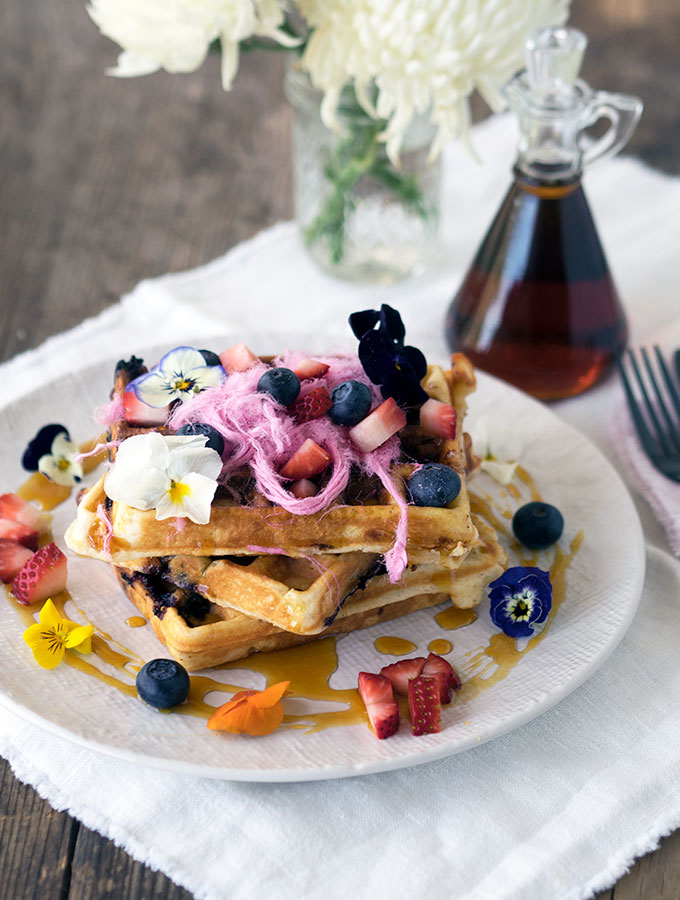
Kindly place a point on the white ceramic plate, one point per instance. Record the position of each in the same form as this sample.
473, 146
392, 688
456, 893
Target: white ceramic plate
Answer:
603, 586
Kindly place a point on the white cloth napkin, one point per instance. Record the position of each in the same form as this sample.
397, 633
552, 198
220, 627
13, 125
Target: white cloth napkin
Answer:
559, 807
661, 493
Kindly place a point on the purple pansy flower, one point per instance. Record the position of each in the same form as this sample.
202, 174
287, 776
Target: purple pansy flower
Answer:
520, 600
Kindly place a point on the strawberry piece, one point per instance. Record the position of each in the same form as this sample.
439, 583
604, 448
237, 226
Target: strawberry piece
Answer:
312, 405
12, 558
401, 672
423, 699
19, 533
303, 488
379, 425
438, 418
308, 460
14, 507
136, 412
310, 368
42, 576
444, 674
238, 358
382, 708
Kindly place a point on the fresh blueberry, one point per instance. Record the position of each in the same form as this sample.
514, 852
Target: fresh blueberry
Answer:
211, 359
282, 384
163, 683
537, 525
434, 485
40, 446
215, 439
351, 403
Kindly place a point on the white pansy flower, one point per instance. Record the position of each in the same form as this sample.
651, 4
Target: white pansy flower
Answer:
176, 35
499, 451
174, 474
59, 464
420, 55
179, 375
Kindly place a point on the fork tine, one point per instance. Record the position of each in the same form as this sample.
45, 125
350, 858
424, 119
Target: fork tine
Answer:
675, 397
672, 428
648, 442
651, 412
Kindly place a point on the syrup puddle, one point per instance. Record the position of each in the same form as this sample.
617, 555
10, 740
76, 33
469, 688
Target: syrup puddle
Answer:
311, 666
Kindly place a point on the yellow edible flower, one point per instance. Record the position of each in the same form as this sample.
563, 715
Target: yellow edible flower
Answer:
52, 636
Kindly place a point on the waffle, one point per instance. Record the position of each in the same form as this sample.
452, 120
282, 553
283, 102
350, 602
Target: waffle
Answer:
201, 630
436, 536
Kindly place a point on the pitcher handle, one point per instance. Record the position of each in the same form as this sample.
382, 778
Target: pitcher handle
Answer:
623, 112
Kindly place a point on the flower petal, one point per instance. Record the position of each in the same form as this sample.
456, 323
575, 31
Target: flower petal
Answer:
34, 634
62, 445
49, 616
140, 490
202, 460
48, 654
194, 501
80, 635
154, 389
143, 451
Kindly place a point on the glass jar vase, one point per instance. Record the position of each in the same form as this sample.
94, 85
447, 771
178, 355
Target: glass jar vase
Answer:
360, 217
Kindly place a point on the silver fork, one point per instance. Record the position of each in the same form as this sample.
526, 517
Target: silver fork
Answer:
656, 413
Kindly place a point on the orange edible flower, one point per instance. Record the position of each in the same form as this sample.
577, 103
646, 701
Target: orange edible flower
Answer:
251, 712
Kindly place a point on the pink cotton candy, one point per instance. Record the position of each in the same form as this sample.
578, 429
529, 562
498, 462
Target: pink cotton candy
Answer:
101, 514
109, 412
262, 434
96, 449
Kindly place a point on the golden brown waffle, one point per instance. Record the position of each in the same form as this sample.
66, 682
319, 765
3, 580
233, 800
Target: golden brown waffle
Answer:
201, 632
436, 536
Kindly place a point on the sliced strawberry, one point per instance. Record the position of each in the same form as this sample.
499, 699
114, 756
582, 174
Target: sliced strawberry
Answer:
401, 672
423, 699
308, 460
310, 368
12, 558
438, 418
303, 488
312, 405
379, 425
42, 576
14, 507
382, 708
136, 412
445, 675
238, 358
19, 533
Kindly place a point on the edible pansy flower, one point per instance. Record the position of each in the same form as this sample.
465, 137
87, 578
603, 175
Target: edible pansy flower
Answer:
397, 368
497, 452
179, 375
520, 600
251, 712
174, 474
53, 635
59, 465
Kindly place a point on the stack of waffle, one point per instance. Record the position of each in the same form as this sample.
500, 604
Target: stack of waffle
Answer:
212, 599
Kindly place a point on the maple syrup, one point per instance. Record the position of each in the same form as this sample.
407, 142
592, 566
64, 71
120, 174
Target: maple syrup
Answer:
538, 306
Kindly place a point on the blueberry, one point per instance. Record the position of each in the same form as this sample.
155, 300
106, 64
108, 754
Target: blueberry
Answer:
40, 446
537, 525
351, 403
211, 359
163, 683
434, 485
282, 384
215, 439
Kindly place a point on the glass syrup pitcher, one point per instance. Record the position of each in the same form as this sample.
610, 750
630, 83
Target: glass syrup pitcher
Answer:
538, 306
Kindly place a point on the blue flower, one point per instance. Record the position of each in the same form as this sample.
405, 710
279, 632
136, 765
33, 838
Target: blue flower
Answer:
397, 368
520, 599
179, 375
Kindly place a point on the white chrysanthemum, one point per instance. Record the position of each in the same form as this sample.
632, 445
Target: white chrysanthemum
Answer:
420, 54
175, 35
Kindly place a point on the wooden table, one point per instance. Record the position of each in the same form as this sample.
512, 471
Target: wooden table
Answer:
105, 182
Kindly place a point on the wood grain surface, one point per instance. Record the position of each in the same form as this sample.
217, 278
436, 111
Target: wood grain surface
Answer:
104, 182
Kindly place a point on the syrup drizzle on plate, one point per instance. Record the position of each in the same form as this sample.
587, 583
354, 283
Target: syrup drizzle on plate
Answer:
310, 667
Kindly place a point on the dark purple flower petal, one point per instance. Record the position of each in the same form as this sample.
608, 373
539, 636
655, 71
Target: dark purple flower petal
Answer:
377, 356
361, 322
391, 324
520, 599
417, 361
403, 387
